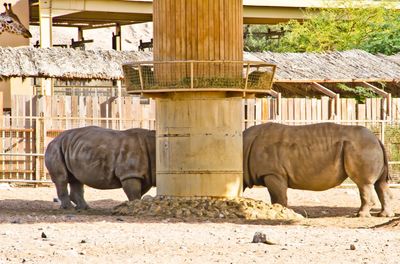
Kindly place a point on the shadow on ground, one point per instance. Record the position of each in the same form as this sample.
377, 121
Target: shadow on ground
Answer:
17, 211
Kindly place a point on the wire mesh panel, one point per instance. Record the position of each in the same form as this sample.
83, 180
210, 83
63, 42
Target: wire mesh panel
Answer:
198, 75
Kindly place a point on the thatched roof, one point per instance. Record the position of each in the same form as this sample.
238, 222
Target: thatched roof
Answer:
354, 65
345, 66
66, 63
394, 58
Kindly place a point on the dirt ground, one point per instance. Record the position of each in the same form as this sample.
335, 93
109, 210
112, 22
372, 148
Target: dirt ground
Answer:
34, 230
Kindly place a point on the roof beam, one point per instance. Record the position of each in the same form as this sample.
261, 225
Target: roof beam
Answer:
376, 89
324, 90
386, 100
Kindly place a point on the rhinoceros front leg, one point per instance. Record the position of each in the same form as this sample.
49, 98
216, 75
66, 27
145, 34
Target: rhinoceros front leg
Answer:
132, 188
76, 195
366, 191
277, 188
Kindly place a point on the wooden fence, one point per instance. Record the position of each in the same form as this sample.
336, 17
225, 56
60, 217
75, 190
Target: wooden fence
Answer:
255, 110
35, 121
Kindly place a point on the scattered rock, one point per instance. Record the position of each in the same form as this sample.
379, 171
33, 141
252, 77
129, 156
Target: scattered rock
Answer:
352, 247
205, 208
83, 241
44, 235
260, 237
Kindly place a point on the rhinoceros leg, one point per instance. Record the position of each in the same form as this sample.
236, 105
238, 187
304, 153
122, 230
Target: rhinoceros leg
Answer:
60, 179
62, 193
384, 195
76, 195
277, 188
366, 191
132, 188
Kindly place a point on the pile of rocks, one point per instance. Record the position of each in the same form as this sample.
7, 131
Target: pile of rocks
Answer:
206, 208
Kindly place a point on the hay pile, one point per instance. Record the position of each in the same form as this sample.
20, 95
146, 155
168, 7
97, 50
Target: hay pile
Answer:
205, 208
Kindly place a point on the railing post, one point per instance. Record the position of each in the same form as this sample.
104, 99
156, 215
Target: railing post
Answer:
141, 77
247, 78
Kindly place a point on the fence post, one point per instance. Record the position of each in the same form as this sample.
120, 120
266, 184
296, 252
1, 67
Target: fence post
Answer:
337, 108
382, 138
389, 107
119, 85
40, 136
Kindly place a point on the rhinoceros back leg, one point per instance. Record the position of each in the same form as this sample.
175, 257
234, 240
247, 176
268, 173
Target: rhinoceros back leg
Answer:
132, 188
62, 193
366, 191
59, 175
364, 173
277, 187
385, 197
76, 195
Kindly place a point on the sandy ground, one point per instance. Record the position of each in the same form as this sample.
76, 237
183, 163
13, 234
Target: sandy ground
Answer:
34, 230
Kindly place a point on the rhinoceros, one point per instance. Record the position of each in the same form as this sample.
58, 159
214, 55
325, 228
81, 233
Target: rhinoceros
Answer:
316, 157
103, 159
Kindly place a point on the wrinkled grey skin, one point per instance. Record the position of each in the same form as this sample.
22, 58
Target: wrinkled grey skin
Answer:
103, 159
316, 157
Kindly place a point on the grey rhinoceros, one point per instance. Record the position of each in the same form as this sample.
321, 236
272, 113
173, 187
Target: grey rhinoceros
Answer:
103, 159
316, 157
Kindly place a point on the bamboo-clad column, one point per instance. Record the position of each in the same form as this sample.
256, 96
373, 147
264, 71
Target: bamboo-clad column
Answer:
199, 134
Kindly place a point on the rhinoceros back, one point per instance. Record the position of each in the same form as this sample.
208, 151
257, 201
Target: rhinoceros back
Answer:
102, 158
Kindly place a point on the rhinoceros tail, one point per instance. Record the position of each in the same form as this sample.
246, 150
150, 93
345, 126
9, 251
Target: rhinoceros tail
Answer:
385, 176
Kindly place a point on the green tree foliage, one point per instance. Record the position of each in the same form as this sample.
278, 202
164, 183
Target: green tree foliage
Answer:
347, 25
360, 93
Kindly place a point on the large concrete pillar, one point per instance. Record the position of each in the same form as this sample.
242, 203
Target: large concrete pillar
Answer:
199, 134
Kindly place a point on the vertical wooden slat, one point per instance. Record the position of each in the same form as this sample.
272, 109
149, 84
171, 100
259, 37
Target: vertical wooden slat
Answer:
343, 106
308, 109
82, 111
264, 106
314, 113
325, 108
258, 104
222, 30
89, 110
68, 112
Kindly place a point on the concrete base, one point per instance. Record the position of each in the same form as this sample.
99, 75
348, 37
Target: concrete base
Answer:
199, 145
